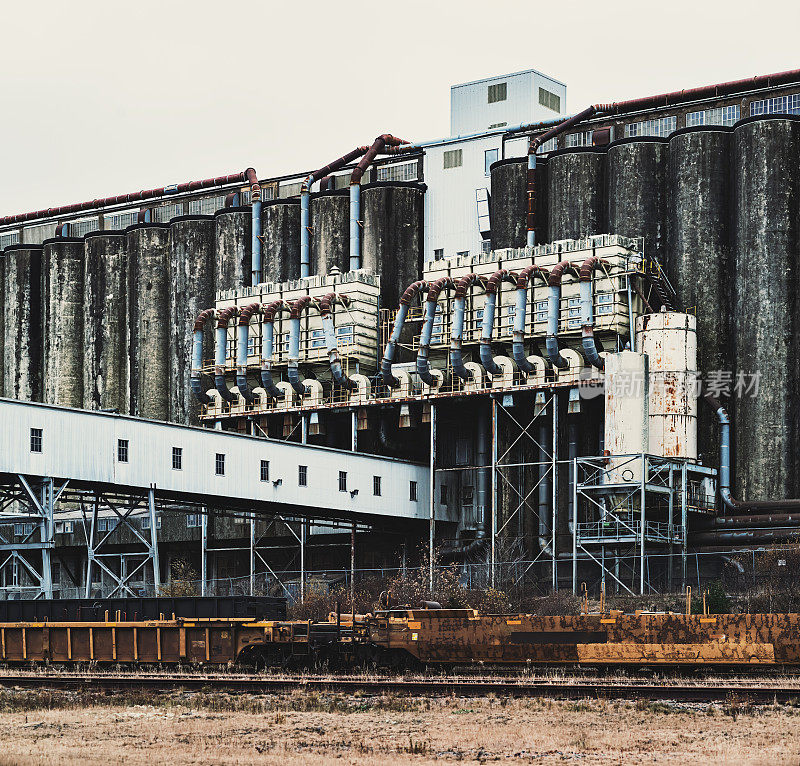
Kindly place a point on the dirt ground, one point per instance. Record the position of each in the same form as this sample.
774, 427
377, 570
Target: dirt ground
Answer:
59, 728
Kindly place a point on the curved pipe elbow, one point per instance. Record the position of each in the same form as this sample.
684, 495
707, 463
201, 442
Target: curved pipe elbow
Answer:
221, 354
293, 373
590, 349
554, 353
198, 389
388, 354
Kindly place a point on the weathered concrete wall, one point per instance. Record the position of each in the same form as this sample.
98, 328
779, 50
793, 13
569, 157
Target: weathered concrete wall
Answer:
233, 243
106, 383
392, 242
62, 304
22, 323
576, 193
330, 240
766, 309
280, 251
192, 241
148, 264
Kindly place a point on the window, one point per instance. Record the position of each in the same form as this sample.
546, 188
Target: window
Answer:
376, 486
779, 105
467, 498
107, 524
412, 491
660, 127
146, 522
302, 475
573, 313
511, 312
177, 458
219, 465
408, 171
64, 527
549, 100
346, 335
497, 125
605, 304
316, 339
193, 520
122, 450
497, 92
462, 253
453, 158
490, 156
443, 494
548, 146
540, 309
265, 470
23, 530
722, 115
36, 439
438, 254
342, 481
253, 345
584, 138
486, 246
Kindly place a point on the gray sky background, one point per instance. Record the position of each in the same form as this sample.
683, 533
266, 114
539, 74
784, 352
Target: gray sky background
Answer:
102, 98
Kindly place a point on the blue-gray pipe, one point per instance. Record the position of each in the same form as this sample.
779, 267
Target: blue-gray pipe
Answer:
197, 362
305, 227
256, 246
531, 239
267, 340
487, 360
293, 370
587, 324
518, 343
333, 355
423, 365
391, 347
551, 342
219, 365
355, 226
456, 339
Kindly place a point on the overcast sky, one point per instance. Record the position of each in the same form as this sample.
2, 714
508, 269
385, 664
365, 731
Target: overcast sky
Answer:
101, 98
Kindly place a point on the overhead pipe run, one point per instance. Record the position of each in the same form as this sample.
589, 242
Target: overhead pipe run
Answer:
325, 304
456, 336
520, 314
255, 202
305, 204
379, 146
553, 309
197, 356
739, 506
242, 348
414, 289
221, 353
587, 313
268, 314
293, 370
487, 327
431, 302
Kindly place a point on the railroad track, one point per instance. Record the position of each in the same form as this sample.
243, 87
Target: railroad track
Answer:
753, 692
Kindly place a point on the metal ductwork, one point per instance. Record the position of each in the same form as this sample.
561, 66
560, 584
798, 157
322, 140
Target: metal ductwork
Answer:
221, 353
487, 327
590, 350
388, 354
293, 371
268, 314
325, 304
526, 276
553, 309
197, 356
456, 338
255, 201
242, 343
423, 366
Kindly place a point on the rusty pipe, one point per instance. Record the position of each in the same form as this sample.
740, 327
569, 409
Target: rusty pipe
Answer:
414, 289
223, 317
487, 327
325, 305
588, 342
268, 314
520, 315
463, 286
242, 344
431, 302
196, 381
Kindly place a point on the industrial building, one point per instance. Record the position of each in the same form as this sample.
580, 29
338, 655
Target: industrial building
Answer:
510, 330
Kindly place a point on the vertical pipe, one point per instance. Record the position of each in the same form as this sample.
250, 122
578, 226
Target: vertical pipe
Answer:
203, 551
305, 230
684, 476
574, 495
531, 239
355, 226
256, 241
302, 561
353, 567
431, 499
47, 537
354, 431
304, 428
544, 487
151, 507
554, 489
670, 519
494, 489
252, 553
641, 539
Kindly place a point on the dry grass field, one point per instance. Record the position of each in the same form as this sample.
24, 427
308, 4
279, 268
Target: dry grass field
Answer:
196, 728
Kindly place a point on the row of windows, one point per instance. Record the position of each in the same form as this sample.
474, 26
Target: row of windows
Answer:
662, 126
549, 100
722, 115
777, 105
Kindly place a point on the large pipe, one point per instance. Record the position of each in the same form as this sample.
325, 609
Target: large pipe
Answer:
221, 353
197, 356
268, 315
255, 202
325, 304
553, 309
520, 314
242, 343
423, 365
305, 204
123, 199
487, 327
293, 371
457, 335
388, 354
739, 506
378, 147
587, 313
